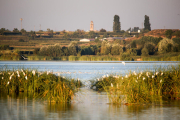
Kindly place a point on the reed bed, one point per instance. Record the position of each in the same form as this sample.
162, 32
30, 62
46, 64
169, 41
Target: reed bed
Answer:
76, 58
144, 87
43, 85
10, 57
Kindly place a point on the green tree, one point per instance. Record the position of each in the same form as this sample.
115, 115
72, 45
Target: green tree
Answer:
177, 44
66, 36
169, 34
87, 50
147, 25
36, 51
21, 40
177, 33
105, 35
106, 48
43, 51
2, 30
4, 47
102, 30
126, 57
150, 47
133, 44
73, 48
145, 52
116, 49
133, 51
15, 30
176, 40
165, 45
32, 34
65, 51
92, 34
75, 34
51, 50
23, 32
116, 24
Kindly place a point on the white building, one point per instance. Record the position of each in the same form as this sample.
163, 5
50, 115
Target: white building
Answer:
84, 40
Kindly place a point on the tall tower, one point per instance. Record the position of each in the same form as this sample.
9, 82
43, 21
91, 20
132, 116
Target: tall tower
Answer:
91, 26
21, 23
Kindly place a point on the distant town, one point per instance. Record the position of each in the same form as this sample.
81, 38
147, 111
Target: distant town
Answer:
92, 45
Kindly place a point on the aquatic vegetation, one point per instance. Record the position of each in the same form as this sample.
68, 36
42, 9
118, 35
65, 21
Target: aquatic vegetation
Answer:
43, 85
143, 87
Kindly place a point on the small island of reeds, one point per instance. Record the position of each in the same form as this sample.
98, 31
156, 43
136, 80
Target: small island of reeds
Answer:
143, 87
41, 85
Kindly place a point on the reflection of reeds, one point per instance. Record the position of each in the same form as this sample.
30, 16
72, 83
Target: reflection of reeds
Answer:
45, 85
144, 87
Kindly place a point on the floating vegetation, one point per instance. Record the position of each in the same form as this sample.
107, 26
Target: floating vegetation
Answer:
45, 86
143, 87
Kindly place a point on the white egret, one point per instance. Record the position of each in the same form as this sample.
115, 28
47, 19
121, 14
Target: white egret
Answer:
123, 62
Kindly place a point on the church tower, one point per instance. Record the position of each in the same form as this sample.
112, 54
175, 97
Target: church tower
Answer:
91, 26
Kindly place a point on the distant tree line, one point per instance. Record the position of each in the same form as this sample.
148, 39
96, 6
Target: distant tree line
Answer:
144, 46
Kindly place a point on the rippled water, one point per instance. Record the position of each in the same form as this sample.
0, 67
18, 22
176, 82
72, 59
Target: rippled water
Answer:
87, 104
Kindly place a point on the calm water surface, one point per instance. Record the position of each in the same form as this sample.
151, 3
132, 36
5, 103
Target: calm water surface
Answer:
87, 104
85, 70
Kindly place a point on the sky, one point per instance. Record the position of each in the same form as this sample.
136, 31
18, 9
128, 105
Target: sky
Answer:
71, 15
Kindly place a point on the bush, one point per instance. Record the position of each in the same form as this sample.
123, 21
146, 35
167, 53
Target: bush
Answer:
36, 51
126, 57
4, 47
21, 40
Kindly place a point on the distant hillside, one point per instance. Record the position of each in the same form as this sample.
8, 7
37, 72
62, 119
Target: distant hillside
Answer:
158, 32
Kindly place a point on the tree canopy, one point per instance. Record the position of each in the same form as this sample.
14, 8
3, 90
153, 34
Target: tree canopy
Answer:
147, 25
116, 24
165, 45
168, 34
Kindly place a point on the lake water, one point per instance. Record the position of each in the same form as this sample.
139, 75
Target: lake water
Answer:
87, 104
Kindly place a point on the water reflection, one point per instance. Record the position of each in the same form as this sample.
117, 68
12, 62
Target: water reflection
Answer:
87, 105
17, 109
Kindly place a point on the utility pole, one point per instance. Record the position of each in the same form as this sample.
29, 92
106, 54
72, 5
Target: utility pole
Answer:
40, 26
21, 23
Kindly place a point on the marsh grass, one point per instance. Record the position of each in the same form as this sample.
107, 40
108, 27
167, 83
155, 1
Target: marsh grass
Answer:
75, 58
45, 86
173, 56
144, 87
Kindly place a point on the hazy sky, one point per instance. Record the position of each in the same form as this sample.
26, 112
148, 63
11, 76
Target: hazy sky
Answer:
77, 14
